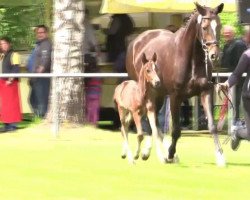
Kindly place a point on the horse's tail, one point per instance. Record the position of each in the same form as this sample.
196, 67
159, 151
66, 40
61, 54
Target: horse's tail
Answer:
115, 99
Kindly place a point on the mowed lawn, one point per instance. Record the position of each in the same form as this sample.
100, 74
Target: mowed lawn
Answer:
85, 164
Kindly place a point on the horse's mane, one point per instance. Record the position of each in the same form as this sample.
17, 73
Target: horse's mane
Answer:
195, 12
186, 23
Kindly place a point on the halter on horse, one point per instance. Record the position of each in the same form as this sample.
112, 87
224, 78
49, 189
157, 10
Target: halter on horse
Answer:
185, 66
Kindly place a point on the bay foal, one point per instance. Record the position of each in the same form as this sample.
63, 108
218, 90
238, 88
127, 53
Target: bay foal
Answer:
135, 99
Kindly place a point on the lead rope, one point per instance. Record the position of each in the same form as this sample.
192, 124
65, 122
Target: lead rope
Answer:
223, 91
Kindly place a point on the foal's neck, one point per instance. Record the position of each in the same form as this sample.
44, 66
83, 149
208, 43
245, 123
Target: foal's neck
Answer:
142, 85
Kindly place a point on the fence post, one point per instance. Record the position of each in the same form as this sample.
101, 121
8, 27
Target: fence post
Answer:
55, 113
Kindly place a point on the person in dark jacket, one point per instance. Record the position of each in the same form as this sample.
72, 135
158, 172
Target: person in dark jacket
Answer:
41, 63
10, 107
241, 133
120, 27
232, 51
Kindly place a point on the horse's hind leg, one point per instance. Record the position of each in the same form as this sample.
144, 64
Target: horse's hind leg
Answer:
207, 105
176, 130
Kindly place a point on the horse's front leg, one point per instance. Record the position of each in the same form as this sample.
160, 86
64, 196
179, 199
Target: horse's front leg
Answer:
175, 103
206, 98
156, 134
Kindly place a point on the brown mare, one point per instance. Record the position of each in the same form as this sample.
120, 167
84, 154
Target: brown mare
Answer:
133, 100
182, 66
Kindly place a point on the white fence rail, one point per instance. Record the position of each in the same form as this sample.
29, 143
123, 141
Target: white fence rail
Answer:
83, 75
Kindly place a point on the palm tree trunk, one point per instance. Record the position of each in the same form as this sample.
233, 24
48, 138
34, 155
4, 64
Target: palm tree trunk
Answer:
68, 93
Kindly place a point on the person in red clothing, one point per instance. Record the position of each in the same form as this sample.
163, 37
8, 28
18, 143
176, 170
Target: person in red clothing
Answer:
10, 109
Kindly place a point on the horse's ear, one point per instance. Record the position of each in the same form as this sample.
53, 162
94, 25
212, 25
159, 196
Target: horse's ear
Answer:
200, 9
219, 8
144, 59
154, 58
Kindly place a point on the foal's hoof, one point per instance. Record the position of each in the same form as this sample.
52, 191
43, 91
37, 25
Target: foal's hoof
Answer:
136, 157
123, 156
144, 156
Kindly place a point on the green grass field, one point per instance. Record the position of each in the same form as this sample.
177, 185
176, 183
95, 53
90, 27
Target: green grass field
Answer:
85, 164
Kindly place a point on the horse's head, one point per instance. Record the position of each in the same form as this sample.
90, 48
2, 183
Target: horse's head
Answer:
209, 29
149, 69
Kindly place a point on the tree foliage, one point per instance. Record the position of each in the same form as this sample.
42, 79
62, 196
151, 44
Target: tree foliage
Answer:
17, 23
232, 20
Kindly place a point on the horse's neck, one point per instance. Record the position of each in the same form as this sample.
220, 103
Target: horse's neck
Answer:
189, 34
198, 57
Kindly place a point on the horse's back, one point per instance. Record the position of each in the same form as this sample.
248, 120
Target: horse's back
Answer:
148, 42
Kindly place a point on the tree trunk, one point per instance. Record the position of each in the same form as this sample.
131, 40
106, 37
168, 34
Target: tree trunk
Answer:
68, 93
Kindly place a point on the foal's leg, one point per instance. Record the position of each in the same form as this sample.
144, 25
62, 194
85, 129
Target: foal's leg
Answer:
157, 134
207, 105
175, 103
137, 120
126, 151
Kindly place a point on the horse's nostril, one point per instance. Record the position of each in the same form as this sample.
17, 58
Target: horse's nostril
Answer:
213, 57
157, 83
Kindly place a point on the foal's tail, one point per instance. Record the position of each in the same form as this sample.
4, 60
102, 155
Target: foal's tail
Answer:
116, 96
116, 105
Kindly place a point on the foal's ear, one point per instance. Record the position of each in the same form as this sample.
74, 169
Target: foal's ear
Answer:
200, 9
154, 58
219, 8
144, 59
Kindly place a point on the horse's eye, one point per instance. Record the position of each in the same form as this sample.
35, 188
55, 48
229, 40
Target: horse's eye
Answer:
148, 70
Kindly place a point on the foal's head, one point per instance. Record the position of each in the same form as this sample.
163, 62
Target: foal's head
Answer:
149, 69
209, 29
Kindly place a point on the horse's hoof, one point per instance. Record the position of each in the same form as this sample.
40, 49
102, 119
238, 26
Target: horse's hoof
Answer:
220, 159
136, 157
144, 156
123, 156
175, 159
169, 160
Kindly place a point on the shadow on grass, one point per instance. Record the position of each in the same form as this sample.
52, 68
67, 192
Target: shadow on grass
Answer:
232, 164
238, 164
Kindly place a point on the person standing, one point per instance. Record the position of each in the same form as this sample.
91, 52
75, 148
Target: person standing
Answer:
41, 63
91, 48
241, 132
120, 27
232, 51
93, 96
93, 84
10, 109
